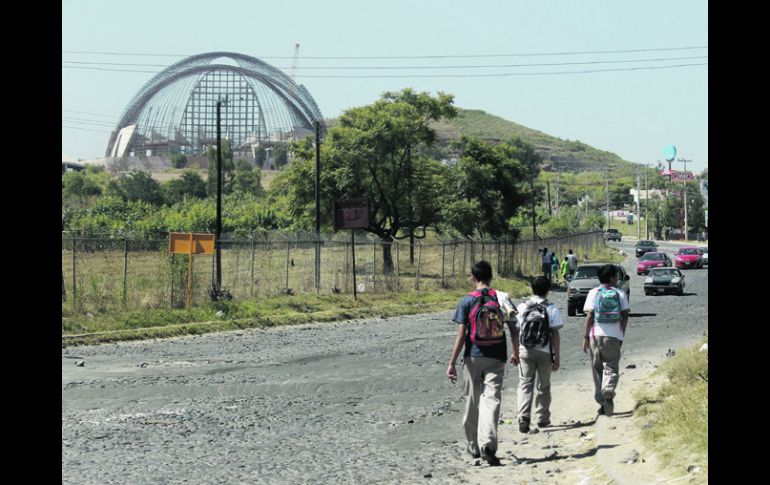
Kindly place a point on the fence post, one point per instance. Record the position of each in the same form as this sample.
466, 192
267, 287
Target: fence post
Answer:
454, 248
74, 278
251, 285
288, 249
374, 263
465, 251
419, 257
347, 267
442, 266
125, 271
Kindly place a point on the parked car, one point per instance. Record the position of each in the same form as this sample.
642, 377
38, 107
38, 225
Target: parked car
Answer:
586, 278
612, 235
705, 251
688, 257
652, 260
645, 246
664, 280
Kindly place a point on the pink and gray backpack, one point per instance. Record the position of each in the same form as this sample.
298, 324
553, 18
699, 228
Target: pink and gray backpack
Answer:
486, 318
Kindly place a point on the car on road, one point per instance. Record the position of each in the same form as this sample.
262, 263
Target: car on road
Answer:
612, 235
664, 280
586, 278
652, 260
645, 246
705, 251
688, 257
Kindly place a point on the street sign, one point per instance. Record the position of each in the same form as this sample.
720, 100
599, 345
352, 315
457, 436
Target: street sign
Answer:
351, 214
669, 152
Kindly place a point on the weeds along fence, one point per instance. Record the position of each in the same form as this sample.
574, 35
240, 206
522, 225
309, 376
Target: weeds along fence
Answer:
103, 273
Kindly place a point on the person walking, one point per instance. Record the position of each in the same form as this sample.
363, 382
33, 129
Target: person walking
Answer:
481, 332
538, 324
565, 268
606, 310
555, 266
572, 262
545, 257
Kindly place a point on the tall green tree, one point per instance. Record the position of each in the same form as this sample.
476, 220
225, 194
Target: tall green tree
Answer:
370, 154
485, 188
135, 186
190, 184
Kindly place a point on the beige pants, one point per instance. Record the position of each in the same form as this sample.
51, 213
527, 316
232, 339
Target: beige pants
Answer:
532, 362
605, 365
483, 379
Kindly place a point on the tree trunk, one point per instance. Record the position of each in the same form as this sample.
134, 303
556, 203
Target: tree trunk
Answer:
387, 256
411, 246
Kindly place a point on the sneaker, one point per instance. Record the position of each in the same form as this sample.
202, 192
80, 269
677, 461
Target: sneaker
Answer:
474, 454
489, 456
609, 407
600, 412
524, 426
543, 424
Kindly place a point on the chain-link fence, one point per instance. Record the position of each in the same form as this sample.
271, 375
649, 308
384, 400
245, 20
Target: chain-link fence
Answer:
103, 273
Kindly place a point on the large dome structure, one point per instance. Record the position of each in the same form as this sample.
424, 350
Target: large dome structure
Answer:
176, 110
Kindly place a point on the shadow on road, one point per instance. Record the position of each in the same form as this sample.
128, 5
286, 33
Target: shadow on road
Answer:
555, 456
642, 314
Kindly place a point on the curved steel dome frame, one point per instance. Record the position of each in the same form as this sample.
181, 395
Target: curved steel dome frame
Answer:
176, 109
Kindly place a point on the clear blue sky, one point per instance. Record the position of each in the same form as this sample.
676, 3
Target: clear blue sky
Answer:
633, 113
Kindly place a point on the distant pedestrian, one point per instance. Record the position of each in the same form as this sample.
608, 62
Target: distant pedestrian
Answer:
572, 263
555, 266
480, 330
606, 310
538, 323
545, 257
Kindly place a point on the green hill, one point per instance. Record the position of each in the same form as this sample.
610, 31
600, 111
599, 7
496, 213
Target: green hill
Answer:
561, 155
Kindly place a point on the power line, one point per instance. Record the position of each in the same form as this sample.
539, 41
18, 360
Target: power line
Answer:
430, 67
465, 56
89, 113
435, 75
84, 129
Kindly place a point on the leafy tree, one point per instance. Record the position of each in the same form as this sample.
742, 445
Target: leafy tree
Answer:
260, 154
190, 184
485, 188
178, 160
280, 156
79, 187
370, 155
137, 185
247, 179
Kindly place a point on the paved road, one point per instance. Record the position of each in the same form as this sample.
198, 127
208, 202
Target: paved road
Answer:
353, 402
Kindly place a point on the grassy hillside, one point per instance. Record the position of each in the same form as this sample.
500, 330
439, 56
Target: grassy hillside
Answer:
563, 155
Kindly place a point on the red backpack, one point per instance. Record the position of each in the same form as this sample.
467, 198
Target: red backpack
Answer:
486, 318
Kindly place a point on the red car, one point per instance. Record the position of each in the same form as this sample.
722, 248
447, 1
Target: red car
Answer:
652, 260
689, 257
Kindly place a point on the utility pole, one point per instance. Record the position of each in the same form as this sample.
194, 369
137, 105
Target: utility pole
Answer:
638, 212
219, 201
646, 204
548, 186
684, 185
317, 203
532, 188
607, 191
557, 192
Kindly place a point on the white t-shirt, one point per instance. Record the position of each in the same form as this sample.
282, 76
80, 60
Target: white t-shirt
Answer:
606, 329
572, 261
554, 321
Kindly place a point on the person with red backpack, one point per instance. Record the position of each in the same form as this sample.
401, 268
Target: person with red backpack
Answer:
538, 326
481, 321
606, 310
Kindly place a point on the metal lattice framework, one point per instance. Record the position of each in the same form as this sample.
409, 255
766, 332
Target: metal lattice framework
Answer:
176, 109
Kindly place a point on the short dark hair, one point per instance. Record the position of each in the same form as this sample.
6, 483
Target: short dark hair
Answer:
570, 251
482, 271
541, 286
607, 272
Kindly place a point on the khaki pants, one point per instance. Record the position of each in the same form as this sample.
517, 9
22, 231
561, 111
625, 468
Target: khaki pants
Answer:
483, 379
605, 365
533, 362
